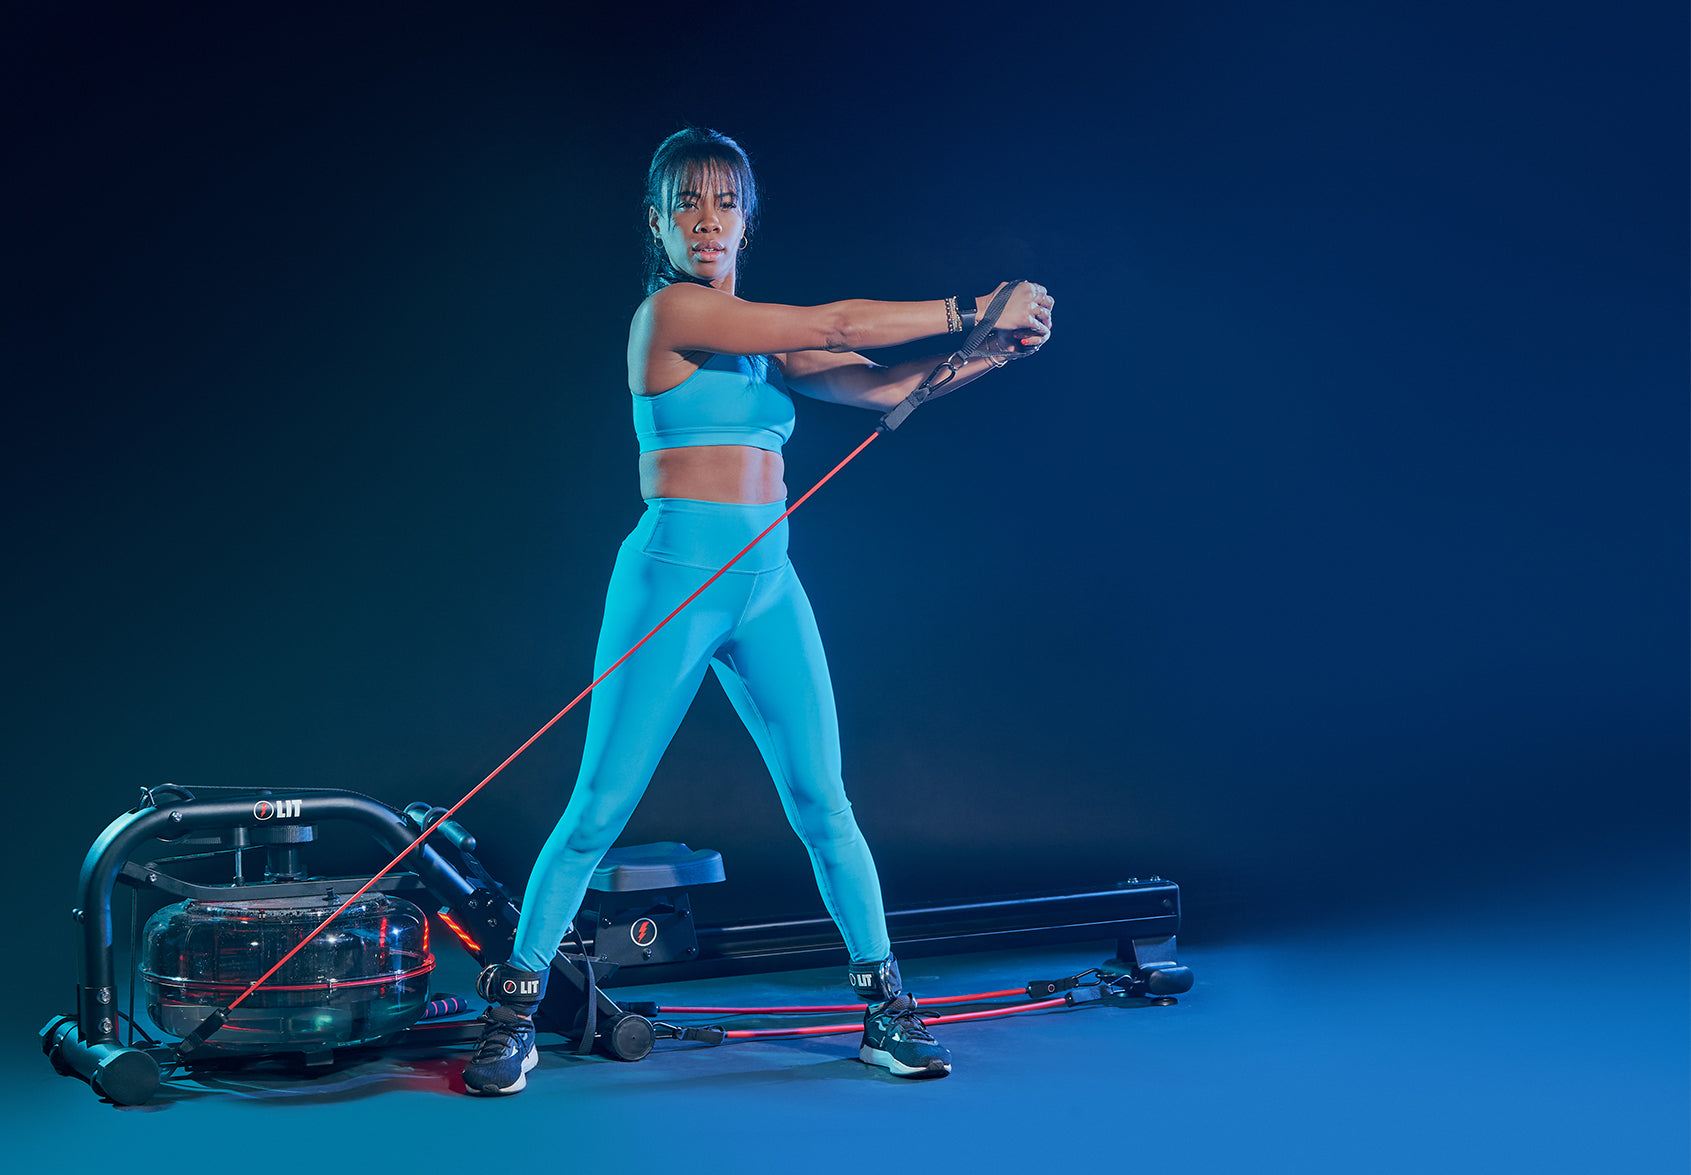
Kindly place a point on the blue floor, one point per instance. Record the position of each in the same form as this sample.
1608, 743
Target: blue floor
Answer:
1522, 1039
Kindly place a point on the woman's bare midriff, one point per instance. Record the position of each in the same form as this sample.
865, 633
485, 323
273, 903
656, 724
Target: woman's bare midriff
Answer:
713, 473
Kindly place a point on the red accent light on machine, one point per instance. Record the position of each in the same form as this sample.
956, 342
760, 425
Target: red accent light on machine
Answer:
472, 944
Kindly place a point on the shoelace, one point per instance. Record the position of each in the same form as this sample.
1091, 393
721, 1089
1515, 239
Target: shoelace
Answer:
502, 1037
907, 1021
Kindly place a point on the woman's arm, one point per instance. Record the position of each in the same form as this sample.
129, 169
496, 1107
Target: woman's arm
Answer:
862, 384
688, 317
854, 380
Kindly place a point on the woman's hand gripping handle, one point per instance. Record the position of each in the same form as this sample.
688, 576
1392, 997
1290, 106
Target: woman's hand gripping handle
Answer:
1014, 320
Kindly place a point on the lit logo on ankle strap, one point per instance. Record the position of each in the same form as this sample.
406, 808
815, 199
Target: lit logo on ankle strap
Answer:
521, 986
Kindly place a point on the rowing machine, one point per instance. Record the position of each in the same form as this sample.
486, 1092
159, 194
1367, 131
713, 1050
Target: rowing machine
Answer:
364, 980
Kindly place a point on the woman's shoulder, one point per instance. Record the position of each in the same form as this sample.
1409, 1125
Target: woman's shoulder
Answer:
672, 305
685, 317
678, 294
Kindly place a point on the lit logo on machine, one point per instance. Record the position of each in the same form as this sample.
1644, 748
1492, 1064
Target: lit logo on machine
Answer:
644, 932
280, 810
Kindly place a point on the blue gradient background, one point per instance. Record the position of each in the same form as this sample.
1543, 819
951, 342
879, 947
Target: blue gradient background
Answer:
1332, 560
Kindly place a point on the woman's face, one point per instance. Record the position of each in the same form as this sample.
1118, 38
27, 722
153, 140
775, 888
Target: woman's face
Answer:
702, 228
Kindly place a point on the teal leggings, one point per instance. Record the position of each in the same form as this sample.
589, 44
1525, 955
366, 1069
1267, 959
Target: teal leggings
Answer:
755, 629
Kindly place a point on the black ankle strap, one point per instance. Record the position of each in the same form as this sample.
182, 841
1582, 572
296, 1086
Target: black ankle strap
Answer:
876, 982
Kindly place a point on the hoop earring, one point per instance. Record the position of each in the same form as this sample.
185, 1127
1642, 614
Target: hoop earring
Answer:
744, 241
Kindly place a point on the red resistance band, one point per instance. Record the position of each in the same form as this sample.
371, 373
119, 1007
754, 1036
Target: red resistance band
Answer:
812, 1009
836, 1029
1079, 989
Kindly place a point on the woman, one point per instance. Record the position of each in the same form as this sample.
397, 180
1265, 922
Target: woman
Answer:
711, 376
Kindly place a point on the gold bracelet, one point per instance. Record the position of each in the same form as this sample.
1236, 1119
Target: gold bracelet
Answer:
953, 320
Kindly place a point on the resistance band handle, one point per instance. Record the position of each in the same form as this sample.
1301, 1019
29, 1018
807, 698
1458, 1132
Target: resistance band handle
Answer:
902, 410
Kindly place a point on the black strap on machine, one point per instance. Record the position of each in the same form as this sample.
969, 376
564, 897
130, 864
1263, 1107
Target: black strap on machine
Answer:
953, 362
590, 1028
589, 992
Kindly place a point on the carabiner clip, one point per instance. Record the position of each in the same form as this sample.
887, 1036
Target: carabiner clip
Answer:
1044, 989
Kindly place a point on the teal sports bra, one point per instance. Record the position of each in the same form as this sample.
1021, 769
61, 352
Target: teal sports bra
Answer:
731, 400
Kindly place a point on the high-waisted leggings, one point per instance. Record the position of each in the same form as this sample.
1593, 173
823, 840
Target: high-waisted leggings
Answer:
755, 629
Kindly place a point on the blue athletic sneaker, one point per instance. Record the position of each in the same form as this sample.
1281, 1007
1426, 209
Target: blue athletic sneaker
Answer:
893, 1034
504, 1055
506, 1051
895, 1039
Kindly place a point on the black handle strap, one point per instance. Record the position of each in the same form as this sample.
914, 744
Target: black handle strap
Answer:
951, 363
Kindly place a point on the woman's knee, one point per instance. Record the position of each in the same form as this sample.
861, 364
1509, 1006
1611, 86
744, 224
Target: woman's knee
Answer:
588, 833
830, 831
